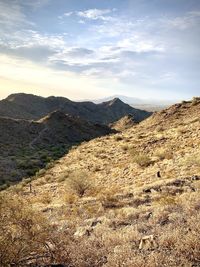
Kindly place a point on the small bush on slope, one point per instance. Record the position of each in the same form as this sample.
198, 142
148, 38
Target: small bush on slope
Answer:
24, 233
142, 160
80, 183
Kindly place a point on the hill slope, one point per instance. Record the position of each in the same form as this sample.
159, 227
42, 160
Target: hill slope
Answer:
26, 146
128, 199
124, 123
31, 107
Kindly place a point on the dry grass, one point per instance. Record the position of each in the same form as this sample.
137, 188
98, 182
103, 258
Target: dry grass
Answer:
193, 160
163, 153
142, 160
99, 216
110, 227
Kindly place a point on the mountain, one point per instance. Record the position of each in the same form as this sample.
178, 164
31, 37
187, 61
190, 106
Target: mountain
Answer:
31, 107
26, 146
127, 199
150, 105
130, 198
125, 99
136, 101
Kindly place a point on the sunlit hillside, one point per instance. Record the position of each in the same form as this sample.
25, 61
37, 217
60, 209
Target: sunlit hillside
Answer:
126, 199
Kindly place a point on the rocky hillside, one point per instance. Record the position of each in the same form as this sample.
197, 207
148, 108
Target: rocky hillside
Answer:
31, 107
127, 199
26, 146
124, 123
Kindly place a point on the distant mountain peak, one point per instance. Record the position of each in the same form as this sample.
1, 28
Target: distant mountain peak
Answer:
115, 101
21, 96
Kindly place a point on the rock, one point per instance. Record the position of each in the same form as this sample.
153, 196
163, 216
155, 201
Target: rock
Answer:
147, 242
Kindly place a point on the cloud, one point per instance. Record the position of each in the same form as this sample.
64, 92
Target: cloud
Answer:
79, 52
32, 77
12, 15
29, 38
184, 22
127, 50
90, 14
81, 21
31, 45
94, 14
35, 53
68, 14
35, 4
194, 13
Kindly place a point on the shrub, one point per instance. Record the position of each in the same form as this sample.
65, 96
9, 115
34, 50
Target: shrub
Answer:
24, 232
159, 129
166, 200
25, 181
49, 178
45, 198
108, 197
80, 183
118, 138
162, 153
142, 160
69, 198
125, 147
62, 178
41, 172
4, 186
195, 100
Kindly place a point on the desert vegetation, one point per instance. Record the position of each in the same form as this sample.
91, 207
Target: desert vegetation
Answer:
117, 228
27, 162
112, 203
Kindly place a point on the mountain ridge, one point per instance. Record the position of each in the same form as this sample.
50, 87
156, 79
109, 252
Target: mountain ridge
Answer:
32, 107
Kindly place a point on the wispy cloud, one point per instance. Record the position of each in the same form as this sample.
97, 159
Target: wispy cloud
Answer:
95, 14
66, 14
35, 4
185, 22
12, 15
90, 14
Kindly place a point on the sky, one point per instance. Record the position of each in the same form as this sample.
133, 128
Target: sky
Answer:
89, 49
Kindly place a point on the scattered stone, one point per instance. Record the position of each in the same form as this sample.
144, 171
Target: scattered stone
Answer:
147, 242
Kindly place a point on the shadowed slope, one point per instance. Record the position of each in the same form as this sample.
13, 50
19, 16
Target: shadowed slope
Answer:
26, 146
24, 106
